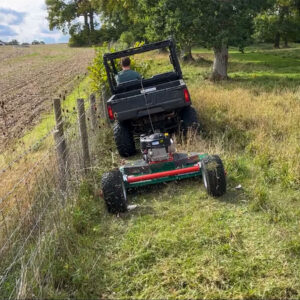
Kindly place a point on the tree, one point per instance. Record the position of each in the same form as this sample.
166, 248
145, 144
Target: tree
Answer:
226, 23
172, 18
63, 15
127, 38
281, 21
120, 16
13, 42
215, 24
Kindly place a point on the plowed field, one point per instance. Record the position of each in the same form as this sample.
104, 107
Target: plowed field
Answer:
30, 78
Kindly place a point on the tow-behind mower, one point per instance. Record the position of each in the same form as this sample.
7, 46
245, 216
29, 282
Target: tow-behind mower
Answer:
160, 164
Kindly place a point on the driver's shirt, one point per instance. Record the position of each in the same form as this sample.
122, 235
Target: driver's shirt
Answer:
127, 75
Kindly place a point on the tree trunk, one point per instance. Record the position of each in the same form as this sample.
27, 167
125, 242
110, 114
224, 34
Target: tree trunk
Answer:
220, 64
86, 21
187, 54
286, 42
277, 40
87, 27
92, 26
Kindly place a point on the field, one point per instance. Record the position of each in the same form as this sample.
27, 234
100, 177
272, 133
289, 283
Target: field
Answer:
30, 78
180, 243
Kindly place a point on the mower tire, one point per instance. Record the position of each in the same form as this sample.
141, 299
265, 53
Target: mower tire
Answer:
213, 174
124, 139
189, 119
114, 192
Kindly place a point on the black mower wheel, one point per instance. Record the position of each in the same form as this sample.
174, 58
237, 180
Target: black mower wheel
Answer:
213, 175
114, 192
124, 139
189, 119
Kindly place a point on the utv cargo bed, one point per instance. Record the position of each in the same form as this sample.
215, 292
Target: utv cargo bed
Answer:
152, 100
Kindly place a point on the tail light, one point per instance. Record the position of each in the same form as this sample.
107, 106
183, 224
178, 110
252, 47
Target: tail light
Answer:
110, 112
186, 95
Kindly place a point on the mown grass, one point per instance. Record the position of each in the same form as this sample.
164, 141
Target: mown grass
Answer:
181, 243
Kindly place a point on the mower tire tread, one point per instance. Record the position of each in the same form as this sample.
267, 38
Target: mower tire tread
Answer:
214, 176
114, 192
124, 139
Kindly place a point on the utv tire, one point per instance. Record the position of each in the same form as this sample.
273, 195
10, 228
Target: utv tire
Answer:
213, 175
114, 192
124, 139
189, 119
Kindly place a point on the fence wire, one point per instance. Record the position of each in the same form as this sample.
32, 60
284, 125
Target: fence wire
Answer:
36, 194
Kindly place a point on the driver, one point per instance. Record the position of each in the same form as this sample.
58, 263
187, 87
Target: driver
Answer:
126, 74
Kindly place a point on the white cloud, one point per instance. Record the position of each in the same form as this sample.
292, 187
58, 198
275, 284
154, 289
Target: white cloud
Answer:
7, 18
34, 25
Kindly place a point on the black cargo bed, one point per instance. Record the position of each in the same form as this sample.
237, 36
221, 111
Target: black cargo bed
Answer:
151, 100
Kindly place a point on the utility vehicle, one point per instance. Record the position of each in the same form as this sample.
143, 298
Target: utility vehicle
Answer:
136, 107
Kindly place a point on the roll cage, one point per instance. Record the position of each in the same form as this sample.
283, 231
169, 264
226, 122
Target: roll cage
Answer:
111, 70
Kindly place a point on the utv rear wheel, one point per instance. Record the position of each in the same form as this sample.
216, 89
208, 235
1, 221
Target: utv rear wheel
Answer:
213, 174
114, 192
124, 139
189, 119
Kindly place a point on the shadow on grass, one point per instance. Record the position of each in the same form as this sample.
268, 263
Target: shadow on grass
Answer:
263, 70
261, 83
199, 61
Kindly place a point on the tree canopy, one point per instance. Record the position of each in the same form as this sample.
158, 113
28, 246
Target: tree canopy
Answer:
63, 15
214, 24
280, 21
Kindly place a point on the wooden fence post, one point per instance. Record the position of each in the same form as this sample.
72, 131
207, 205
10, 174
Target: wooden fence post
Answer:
93, 112
99, 109
104, 108
83, 134
60, 142
60, 149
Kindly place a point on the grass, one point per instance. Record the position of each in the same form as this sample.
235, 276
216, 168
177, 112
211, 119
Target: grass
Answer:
179, 242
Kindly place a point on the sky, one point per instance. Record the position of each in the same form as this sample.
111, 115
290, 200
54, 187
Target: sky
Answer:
25, 21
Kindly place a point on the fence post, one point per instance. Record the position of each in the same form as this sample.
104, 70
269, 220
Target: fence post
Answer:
101, 105
83, 134
103, 102
99, 109
93, 112
60, 149
60, 142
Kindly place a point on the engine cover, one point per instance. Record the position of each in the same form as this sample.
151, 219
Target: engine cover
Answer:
157, 154
155, 147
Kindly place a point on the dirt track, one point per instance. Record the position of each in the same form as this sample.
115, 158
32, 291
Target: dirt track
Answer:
30, 78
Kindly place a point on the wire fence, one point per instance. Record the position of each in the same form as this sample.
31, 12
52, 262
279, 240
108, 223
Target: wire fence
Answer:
38, 184
11, 128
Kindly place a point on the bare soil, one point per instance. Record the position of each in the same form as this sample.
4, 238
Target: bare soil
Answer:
30, 78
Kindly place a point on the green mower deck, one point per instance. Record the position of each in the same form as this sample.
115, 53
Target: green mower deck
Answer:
182, 166
179, 166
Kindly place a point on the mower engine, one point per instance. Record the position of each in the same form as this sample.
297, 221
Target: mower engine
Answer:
157, 147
